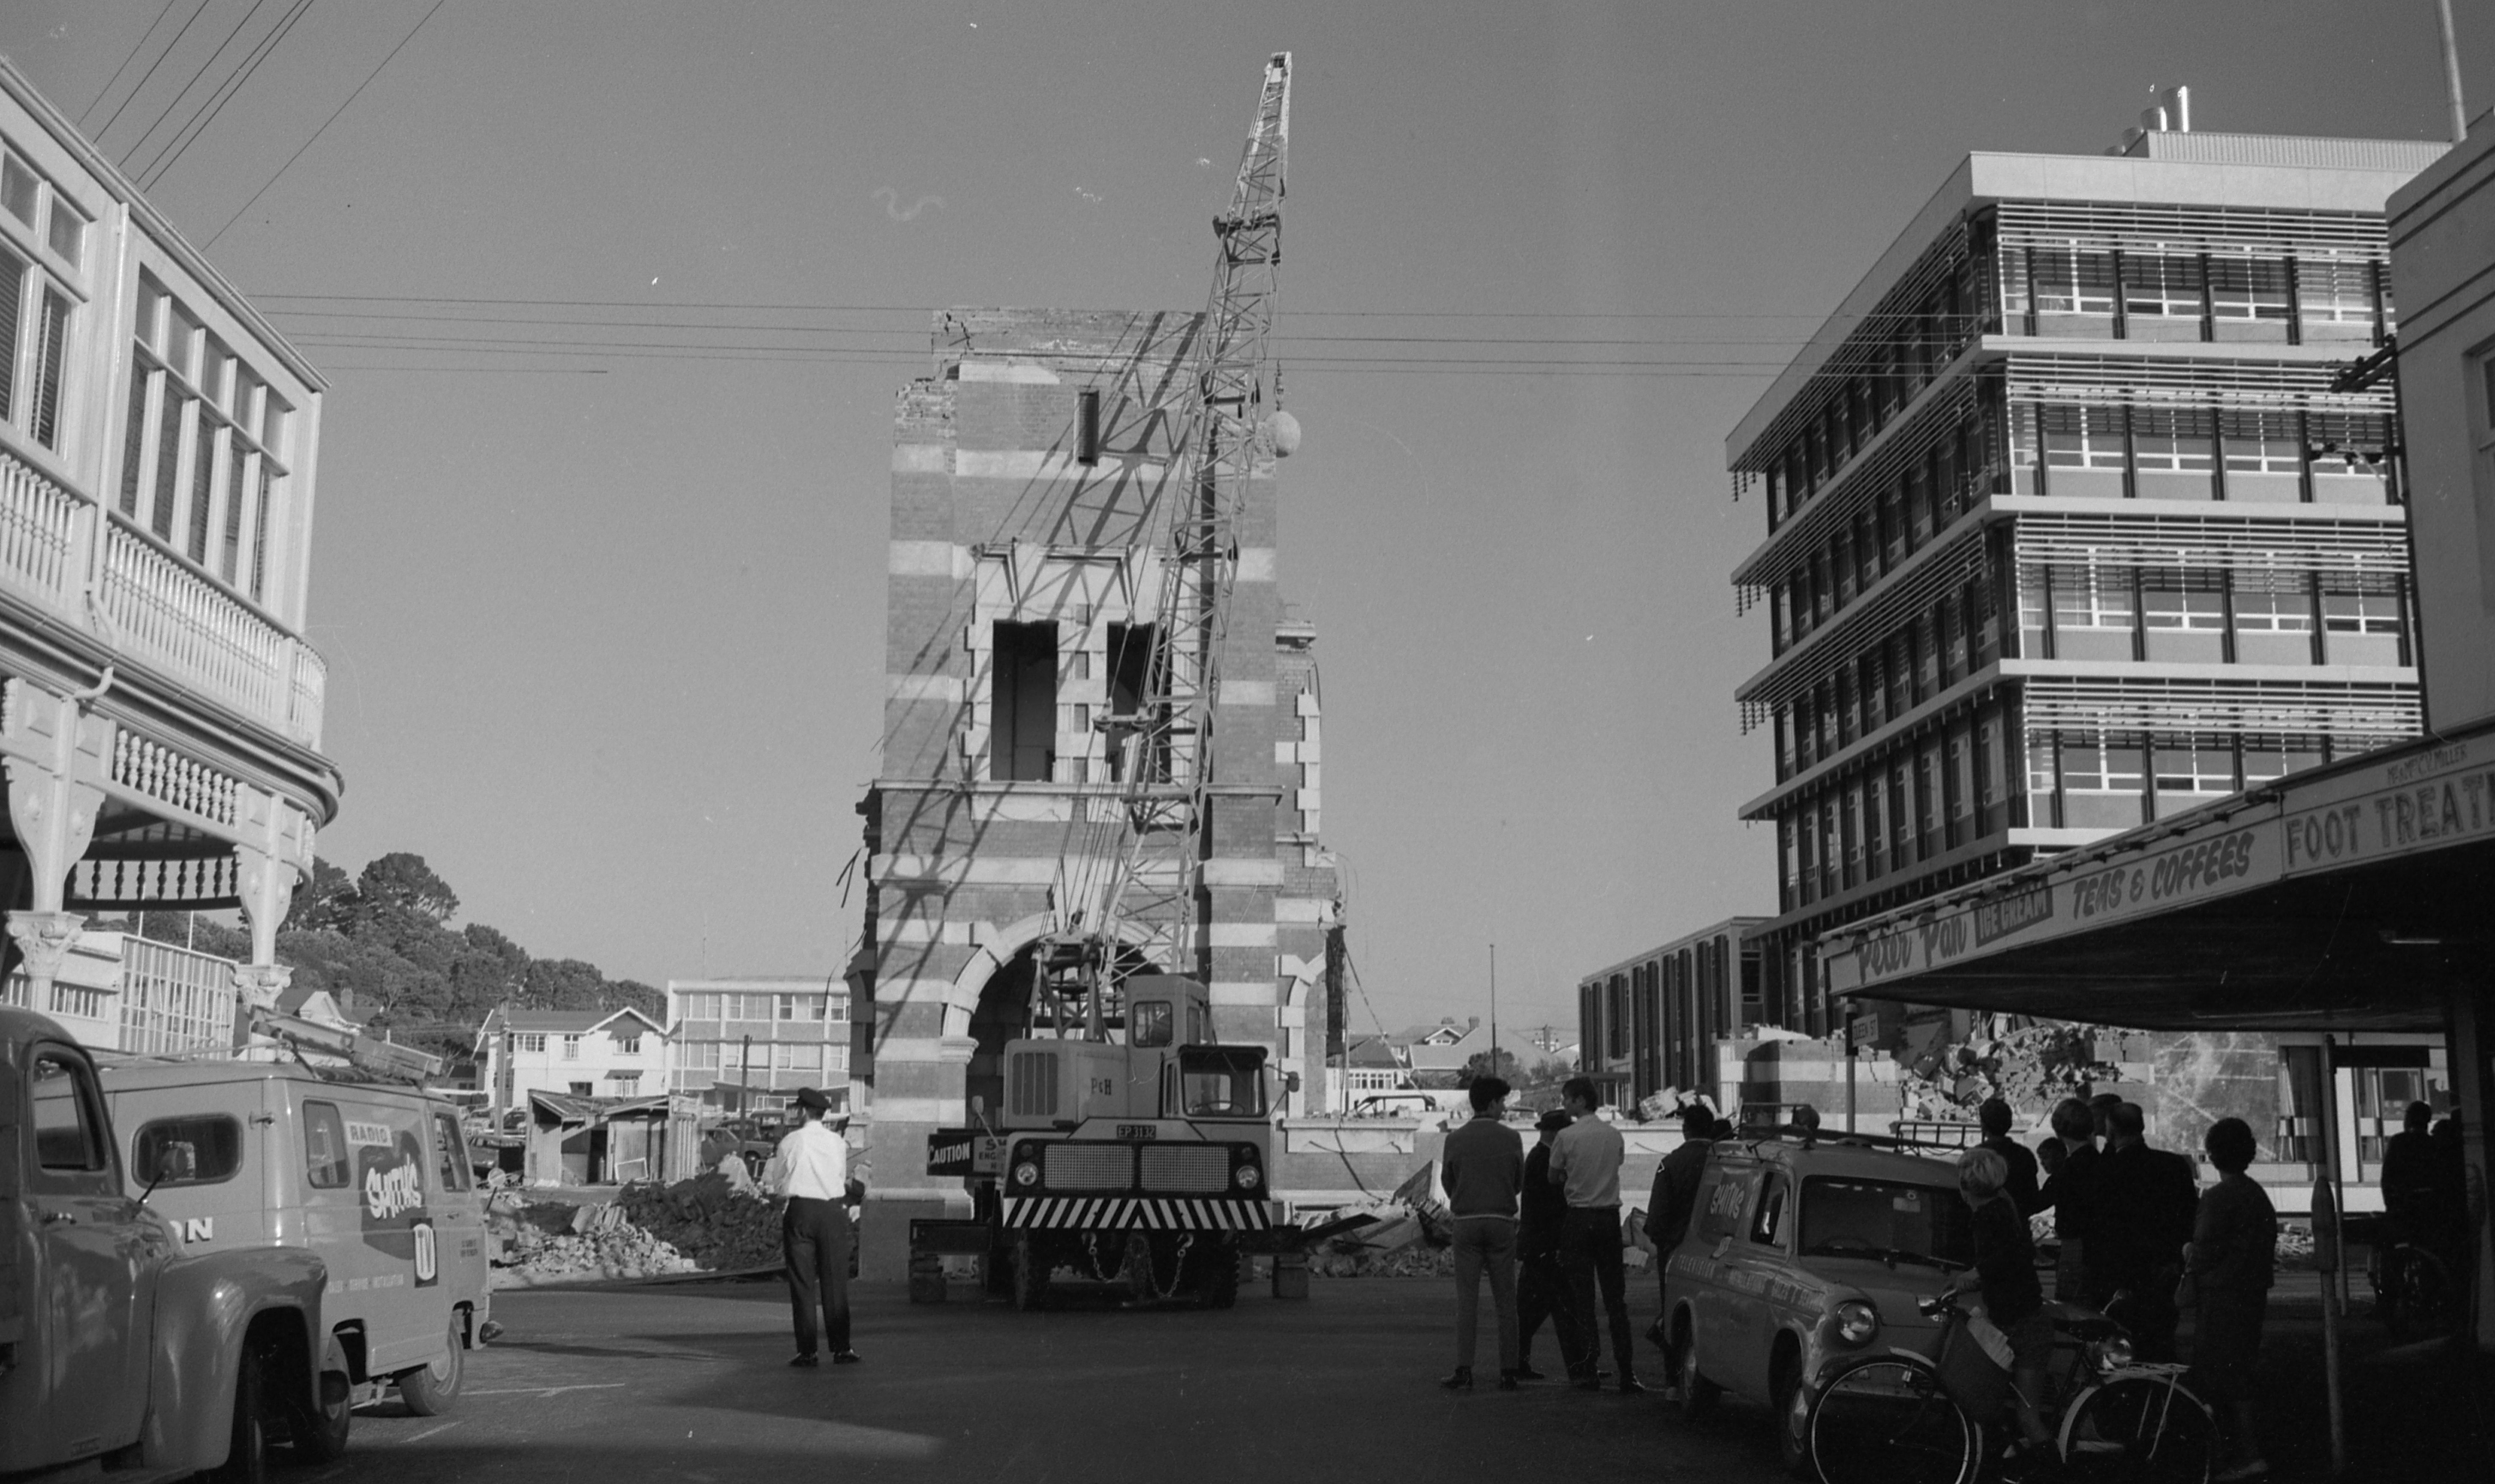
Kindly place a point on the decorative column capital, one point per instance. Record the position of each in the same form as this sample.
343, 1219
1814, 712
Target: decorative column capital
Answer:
45, 939
261, 984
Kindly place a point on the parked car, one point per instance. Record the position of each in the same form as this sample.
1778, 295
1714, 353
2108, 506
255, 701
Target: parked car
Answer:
1801, 1254
374, 1180
126, 1352
1409, 1103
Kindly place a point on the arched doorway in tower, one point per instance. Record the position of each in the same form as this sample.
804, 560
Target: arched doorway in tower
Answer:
1028, 996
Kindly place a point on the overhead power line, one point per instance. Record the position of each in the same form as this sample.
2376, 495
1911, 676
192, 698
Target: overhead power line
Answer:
324, 126
188, 83
196, 11
141, 45
215, 104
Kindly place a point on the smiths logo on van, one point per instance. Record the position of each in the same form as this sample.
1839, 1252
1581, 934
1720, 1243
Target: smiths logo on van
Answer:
389, 1174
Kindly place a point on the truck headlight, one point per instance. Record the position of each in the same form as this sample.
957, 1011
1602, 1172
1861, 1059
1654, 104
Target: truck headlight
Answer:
1249, 1177
1857, 1321
1025, 1174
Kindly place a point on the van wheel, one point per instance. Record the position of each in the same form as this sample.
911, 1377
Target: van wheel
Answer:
1698, 1394
247, 1452
1793, 1420
320, 1428
430, 1390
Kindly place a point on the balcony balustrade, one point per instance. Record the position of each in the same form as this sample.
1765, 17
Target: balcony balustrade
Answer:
150, 606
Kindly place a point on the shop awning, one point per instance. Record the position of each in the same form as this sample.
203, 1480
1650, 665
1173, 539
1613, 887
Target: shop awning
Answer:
2353, 897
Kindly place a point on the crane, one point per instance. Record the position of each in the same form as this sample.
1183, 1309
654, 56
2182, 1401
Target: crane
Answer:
1230, 419
1143, 1161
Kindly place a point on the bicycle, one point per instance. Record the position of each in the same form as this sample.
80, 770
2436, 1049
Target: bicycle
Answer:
1893, 1418
2413, 1289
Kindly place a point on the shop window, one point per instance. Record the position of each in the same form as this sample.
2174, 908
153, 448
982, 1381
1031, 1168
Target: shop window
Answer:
2183, 617
1022, 734
2192, 770
2104, 783
2264, 457
2248, 298
2093, 612
2274, 615
2334, 298
2174, 452
2083, 451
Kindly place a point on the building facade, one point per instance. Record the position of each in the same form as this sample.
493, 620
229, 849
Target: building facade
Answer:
1648, 1023
579, 1053
2070, 526
160, 714
744, 1044
1028, 542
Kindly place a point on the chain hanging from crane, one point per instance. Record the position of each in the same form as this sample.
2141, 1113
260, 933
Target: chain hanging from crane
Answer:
1223, 431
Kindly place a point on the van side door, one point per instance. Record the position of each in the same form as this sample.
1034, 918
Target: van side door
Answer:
97, 1253
1723, 1204
459, 1217
1760, 1260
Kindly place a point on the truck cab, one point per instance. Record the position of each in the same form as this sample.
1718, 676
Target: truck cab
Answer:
118, 1351
1141, 1161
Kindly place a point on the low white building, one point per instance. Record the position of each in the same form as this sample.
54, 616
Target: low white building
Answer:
584, 1053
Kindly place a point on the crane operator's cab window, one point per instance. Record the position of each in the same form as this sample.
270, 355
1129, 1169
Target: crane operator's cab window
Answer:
1023, 729
1152, 1023
1226, 1083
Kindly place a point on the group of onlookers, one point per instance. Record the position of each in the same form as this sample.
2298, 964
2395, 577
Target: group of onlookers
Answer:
2425, 1192
1545, 1229
2140, 1236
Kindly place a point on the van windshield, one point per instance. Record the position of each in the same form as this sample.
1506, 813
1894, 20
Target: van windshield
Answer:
1891, 1220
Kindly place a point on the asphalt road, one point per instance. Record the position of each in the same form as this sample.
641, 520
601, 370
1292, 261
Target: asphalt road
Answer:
692, 1383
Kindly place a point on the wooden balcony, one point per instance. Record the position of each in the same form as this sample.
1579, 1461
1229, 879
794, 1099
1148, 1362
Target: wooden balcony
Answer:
89, 571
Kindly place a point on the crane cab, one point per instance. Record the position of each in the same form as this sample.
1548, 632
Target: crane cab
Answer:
1165, 1071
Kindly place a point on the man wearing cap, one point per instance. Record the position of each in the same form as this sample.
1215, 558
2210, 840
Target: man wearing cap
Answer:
1542, 1288
812, 1169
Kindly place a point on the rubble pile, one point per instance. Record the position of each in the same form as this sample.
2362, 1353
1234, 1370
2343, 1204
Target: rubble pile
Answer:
716, 1228
554, 1242
1416, 1260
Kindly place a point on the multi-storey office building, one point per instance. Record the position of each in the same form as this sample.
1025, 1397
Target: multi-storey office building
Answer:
160, 714
1650, 1022
742, 1044
2068, 527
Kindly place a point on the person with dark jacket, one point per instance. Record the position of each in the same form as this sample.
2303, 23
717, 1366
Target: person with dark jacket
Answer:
1669, 1204
2004, 1273
1994, 1117
2234, 1252
1541, 1288
2068, 1196
2145, 1202
1483, 1167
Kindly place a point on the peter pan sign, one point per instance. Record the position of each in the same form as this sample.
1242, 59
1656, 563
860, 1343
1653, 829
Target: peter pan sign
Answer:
2221, 863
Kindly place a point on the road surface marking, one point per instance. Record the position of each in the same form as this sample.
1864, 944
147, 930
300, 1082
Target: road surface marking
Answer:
544, 1391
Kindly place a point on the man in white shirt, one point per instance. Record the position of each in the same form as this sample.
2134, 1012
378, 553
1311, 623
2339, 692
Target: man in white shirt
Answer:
1585, 1164
812, 1169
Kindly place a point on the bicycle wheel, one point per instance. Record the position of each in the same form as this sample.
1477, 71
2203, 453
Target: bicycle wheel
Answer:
1886, 1420
2140, 1430
2421, 1291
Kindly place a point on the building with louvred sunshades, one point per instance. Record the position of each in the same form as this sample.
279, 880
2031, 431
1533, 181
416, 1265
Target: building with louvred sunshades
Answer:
2069, 526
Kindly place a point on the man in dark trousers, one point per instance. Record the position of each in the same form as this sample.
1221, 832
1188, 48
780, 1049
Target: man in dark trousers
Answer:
1483, 1167
1994, 1115
812, 1169
1541, 1288
2070, 1193
1585, 1164
2146, 1200
1674, 1195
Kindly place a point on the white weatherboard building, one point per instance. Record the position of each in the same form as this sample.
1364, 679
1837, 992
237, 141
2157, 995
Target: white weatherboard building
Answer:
583, 1053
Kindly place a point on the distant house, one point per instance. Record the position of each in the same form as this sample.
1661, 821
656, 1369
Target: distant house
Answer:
1441, 1047
1372, 1064
581, 1053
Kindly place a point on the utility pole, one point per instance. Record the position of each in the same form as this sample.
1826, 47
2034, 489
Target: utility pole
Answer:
2452, 74
1494, 1010
745, 1075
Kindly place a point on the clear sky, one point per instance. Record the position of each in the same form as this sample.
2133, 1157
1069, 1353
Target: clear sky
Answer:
604, 625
